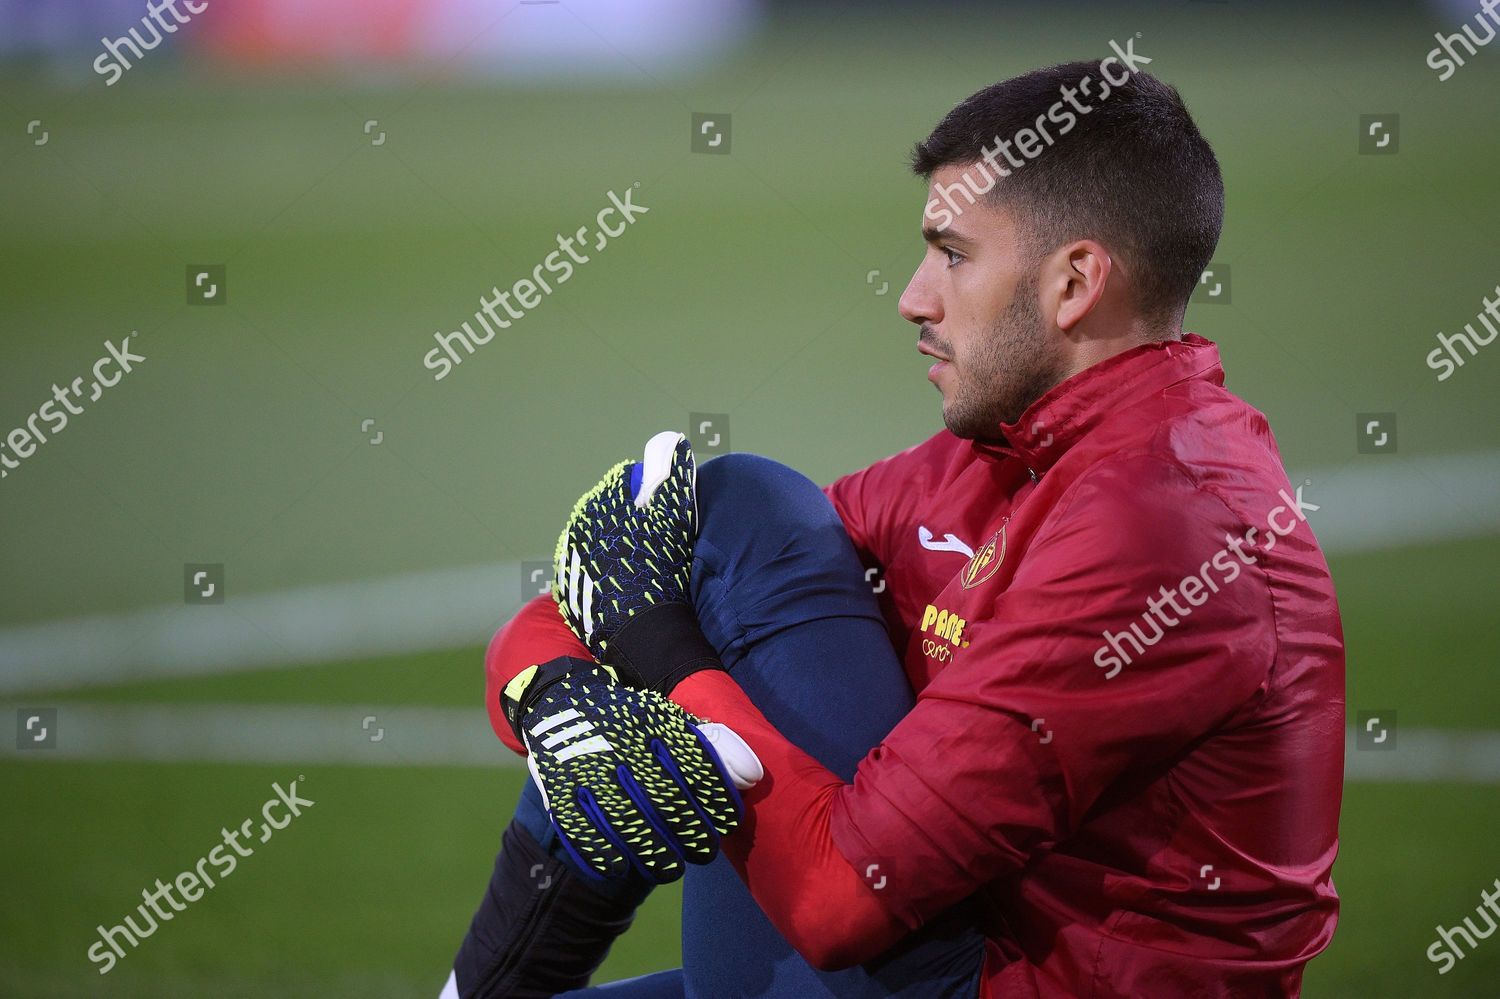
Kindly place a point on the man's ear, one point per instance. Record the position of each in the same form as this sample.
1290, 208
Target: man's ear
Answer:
1078, 275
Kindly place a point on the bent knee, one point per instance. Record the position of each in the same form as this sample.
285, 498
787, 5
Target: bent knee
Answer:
769, 490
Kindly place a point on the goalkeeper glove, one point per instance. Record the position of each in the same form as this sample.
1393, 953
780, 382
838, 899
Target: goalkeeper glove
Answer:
629, 778
624, 559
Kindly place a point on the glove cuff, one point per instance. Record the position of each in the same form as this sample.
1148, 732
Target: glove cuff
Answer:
528, 685
660, 647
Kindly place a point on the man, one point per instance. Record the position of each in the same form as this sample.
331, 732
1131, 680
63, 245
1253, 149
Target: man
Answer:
1127, 744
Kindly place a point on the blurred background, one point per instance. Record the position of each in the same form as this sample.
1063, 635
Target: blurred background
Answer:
275, 548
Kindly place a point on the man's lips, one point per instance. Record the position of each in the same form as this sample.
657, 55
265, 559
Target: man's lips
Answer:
937, 368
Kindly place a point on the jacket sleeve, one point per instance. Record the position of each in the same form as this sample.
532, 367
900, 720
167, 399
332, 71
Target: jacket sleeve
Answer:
536, 634
1013, 742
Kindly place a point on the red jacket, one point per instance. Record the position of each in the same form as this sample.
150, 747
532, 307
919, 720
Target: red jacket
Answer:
1128, 740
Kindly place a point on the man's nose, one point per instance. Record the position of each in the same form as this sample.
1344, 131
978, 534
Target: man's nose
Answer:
918, 304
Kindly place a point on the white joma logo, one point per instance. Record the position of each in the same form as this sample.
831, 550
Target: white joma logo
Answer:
950, 543
574, 739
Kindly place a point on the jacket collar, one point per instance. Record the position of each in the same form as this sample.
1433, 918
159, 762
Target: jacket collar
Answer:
1070, 409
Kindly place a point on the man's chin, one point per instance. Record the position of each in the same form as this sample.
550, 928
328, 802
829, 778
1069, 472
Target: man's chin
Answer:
970, 425
958, 426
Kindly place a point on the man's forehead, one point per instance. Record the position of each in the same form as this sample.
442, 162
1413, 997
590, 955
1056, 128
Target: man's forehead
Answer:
952, 217
954, 173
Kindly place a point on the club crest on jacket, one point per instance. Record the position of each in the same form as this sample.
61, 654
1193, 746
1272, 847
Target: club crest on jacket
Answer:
986, 561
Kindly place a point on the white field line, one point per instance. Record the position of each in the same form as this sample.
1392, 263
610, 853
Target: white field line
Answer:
1383, 501
413, 612
265, 733
461, 737
1380, 502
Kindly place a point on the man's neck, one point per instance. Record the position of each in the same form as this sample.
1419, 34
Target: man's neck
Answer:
1093, 350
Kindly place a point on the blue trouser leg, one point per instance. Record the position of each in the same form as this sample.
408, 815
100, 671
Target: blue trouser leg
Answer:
782, 596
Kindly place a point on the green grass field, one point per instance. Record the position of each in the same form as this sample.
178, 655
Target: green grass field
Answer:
742, 292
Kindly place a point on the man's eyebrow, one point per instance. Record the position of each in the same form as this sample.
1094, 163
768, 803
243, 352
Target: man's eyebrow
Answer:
933, 234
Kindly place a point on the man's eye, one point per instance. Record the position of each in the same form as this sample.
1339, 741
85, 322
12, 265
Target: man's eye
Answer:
954, 258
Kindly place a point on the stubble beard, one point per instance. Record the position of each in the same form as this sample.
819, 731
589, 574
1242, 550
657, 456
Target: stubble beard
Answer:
1012, 366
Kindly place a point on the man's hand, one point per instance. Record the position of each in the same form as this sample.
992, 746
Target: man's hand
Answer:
628, 546
629, 778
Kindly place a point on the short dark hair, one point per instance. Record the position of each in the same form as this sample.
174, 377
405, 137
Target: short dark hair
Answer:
1134, 172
